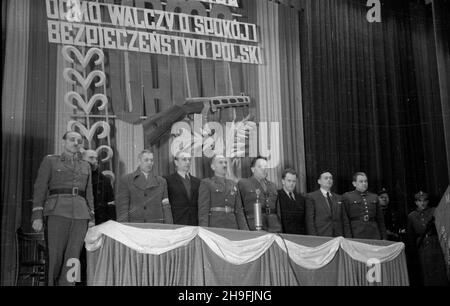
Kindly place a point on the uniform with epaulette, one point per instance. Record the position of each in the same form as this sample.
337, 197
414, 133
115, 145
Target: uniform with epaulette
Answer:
268, 197
424, 240
219, 204
63, 198
365, 218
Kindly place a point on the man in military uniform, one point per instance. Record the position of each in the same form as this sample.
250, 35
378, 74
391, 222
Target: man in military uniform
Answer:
101, 189
63, 201
424, 240
259, 187
219, 202
365, 218
391, 217
142, 195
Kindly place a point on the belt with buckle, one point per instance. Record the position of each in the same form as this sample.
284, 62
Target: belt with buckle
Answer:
225, 209
365, 218
69, 191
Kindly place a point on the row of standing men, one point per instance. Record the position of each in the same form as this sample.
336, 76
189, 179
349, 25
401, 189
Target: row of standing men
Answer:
219, 202
71, 194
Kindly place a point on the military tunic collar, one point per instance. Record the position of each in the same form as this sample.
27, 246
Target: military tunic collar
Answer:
219, 179
363, 194
68, 157
423, 211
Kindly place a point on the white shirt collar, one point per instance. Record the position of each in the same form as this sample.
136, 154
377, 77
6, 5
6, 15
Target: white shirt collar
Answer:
183, 176
324, 192
288, 193
145, 174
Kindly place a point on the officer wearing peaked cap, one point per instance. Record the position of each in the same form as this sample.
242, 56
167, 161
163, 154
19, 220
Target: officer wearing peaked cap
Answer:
365, 218
219, 202
63, 202
424, 240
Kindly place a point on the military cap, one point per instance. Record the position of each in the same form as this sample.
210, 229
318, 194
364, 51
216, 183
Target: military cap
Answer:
382, 191
421, 196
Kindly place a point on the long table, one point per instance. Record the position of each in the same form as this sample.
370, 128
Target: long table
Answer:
169, 255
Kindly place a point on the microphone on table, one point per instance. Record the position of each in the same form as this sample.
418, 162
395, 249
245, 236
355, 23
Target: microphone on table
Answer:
257, 212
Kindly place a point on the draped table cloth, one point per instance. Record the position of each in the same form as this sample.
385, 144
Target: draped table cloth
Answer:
169, 255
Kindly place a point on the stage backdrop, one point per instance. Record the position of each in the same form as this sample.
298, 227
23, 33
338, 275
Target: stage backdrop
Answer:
139, 86
371, 96
110, 95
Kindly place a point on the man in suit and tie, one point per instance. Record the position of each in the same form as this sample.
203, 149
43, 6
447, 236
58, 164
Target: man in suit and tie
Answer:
142, 195
324, 210
183, 191
292, 205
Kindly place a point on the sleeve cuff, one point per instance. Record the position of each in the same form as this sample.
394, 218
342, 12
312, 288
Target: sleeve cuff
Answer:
37, 214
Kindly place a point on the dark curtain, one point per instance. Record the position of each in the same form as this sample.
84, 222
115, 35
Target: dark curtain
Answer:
441, 22
14, 86
4, 23
370, 98
40, 103
291, 93
29, 133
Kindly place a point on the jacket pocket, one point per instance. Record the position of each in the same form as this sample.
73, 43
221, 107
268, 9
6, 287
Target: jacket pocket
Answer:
50, 204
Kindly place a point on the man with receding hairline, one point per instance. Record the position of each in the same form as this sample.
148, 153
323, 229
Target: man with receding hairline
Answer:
102, 190
259, 187
63, 200
292, 204
183, 191
219, 202
363, 211
324, 210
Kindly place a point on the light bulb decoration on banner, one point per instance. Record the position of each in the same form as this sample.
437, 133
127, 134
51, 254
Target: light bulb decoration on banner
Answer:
93, 124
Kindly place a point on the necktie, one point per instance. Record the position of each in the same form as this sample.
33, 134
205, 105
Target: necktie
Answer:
330, 203
291, 195
187, 185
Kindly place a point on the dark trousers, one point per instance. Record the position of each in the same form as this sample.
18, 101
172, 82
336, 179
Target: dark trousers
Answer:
65, 238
